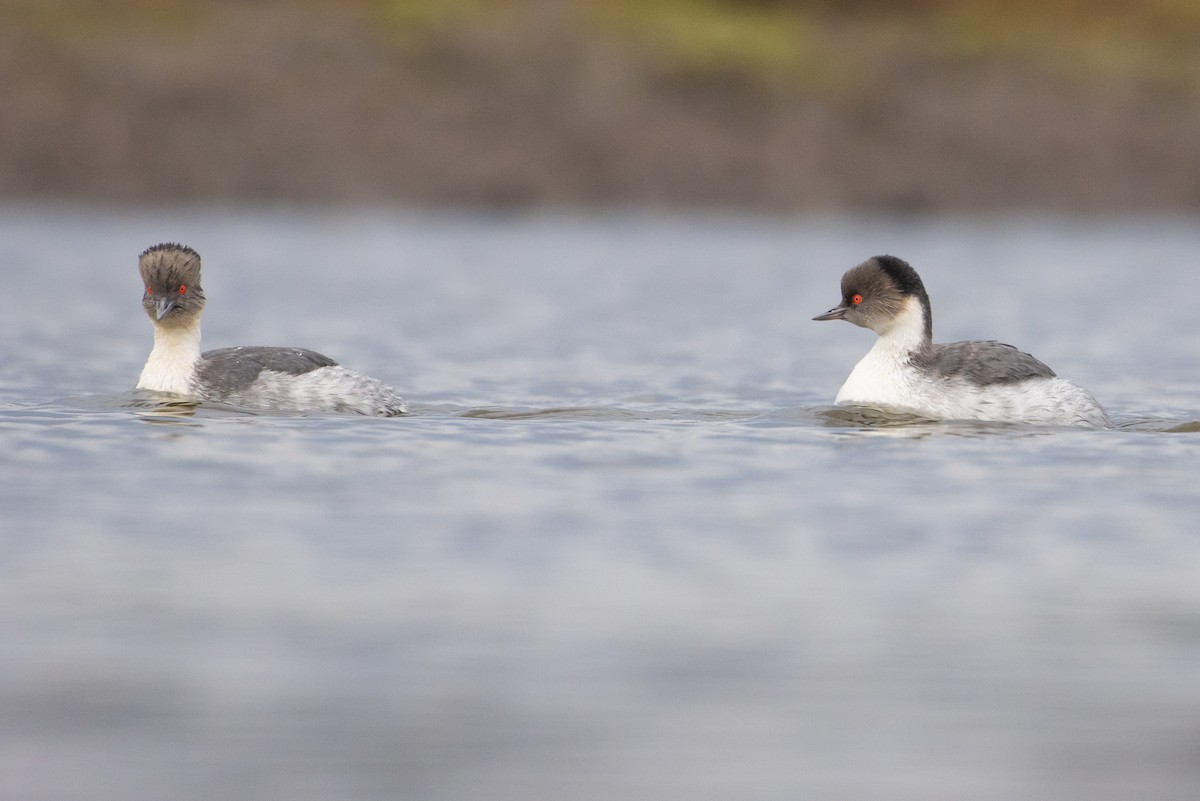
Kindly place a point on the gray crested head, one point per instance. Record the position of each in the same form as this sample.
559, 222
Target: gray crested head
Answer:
172, 294
878, 292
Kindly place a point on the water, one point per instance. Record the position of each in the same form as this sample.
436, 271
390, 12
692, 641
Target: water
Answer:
623, 548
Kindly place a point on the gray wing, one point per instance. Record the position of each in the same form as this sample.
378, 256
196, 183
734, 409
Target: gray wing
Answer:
234, 369
985, 363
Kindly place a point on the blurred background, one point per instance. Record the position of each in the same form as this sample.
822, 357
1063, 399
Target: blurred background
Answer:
623, 548
782, 105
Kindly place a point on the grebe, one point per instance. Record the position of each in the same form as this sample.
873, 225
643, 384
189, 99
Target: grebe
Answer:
906, 372
278, 379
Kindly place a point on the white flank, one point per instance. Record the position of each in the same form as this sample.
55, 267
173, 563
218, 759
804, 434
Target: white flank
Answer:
886, 379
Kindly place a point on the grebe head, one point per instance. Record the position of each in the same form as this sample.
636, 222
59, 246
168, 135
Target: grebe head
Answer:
172, 293
882, 293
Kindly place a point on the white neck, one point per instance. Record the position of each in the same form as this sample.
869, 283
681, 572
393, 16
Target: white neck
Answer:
172, 362
880, 377
907, 330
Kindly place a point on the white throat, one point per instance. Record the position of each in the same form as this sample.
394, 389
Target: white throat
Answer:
881, 377
172, 362
906, 333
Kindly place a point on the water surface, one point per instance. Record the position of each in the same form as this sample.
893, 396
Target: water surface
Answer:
623, 548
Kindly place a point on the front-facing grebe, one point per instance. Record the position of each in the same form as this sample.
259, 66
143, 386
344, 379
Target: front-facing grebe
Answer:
906, 372
267, 378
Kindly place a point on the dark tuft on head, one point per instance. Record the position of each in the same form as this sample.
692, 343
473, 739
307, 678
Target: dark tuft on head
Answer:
900, 271
169, 264
909, 283
170, 247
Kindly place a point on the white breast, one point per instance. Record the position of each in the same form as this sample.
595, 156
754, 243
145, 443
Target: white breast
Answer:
171, 366
883, 378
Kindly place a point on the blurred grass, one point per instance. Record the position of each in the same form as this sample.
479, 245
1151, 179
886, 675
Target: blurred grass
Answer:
74, 22
698, 38
804, 44
418, 26
1152, 41
830, 43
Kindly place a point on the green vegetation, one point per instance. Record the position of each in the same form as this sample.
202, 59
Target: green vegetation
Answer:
805, 44
415, 26
1153, 41
832, 44
704, 38
822, 43
74, 22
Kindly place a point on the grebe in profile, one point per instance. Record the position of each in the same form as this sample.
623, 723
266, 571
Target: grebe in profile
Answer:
277, 379
906, 372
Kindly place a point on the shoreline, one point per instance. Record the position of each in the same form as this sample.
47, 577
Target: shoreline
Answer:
265, 104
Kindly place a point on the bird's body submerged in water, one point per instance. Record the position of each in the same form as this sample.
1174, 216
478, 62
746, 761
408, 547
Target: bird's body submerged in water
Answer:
906, 372
266, 378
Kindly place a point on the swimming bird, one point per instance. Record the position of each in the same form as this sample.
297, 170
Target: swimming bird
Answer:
906, 372
267, 378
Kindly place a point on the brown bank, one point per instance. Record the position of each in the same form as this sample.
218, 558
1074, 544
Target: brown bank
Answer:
527, 104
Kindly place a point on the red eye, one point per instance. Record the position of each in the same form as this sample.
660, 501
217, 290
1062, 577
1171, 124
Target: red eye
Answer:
149, 291
182, 289
856, 299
